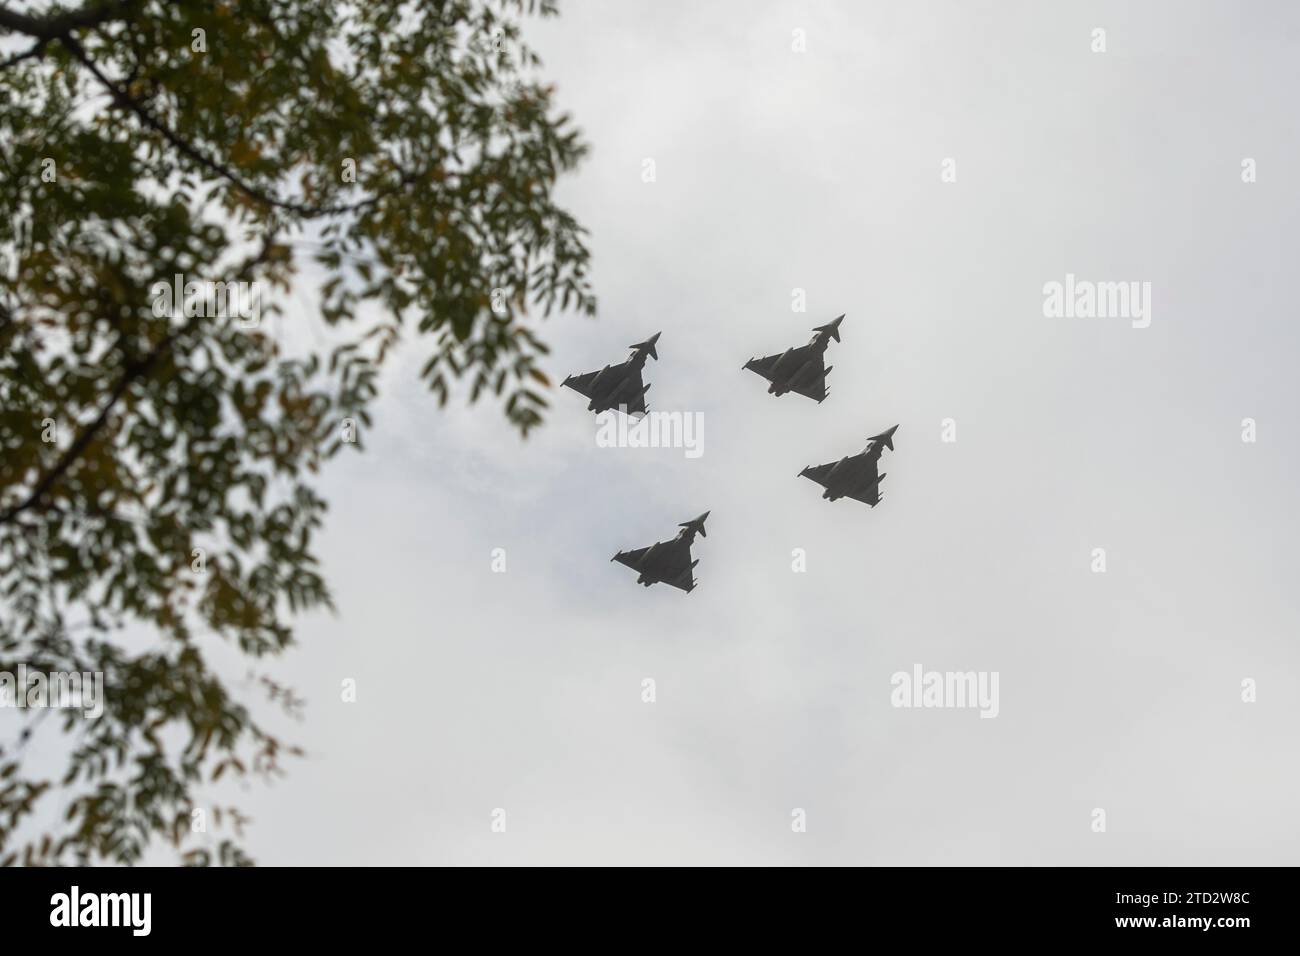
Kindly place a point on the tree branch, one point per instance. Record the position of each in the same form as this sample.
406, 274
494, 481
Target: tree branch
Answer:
133, 372
52, 27
132, 105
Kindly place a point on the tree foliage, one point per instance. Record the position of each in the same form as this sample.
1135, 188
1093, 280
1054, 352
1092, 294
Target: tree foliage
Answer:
156, 466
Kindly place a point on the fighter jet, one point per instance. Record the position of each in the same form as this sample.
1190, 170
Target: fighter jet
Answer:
617, 385
800, 370
668, 562
854, 477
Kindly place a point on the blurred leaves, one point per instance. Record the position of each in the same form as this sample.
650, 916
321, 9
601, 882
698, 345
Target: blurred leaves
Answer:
177, 436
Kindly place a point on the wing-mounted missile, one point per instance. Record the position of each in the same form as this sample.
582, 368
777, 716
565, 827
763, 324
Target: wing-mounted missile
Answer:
780, 377
826, 392
683, 580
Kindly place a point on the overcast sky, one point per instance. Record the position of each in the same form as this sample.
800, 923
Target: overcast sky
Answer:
820, 170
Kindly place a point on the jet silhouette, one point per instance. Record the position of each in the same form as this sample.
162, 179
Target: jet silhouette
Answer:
667, 562
617, 385
800, 369
854, 477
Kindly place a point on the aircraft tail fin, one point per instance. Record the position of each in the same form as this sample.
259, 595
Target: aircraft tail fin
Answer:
649, 345
832, 327
696, 524
886, 438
